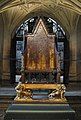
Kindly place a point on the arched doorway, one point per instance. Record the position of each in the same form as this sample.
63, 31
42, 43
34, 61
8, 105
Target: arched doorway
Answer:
61, 43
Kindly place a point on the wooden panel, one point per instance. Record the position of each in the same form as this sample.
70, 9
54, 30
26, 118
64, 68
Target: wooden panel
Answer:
40, 50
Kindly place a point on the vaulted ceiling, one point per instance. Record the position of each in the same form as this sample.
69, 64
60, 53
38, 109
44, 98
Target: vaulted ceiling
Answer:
66, 12
74, 5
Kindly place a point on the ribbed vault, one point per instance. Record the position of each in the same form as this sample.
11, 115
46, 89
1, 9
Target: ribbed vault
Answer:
74, 5
63, 11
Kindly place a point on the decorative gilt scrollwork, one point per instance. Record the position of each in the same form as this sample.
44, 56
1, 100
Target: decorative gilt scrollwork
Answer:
24, 91
57, 93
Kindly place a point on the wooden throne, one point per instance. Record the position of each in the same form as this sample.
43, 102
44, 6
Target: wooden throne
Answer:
40, 68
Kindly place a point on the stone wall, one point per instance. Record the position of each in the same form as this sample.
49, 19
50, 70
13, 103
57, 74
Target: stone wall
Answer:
79, 50
1, 45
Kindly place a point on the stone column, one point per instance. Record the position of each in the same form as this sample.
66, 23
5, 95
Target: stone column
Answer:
79, 50
6, 57
73, 57
12, 18
1, 45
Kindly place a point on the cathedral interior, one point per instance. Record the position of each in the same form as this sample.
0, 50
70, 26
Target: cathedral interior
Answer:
40, 49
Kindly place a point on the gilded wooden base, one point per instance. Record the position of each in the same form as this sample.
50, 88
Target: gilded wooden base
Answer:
57, 101
55, 94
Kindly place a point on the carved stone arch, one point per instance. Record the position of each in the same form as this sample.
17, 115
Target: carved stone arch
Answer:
38, 13
45, 13
70, 4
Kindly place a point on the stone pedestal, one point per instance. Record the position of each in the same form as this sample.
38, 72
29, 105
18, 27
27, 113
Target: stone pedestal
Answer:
39, 112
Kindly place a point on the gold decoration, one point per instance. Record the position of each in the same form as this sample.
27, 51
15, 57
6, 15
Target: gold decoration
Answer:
24, 92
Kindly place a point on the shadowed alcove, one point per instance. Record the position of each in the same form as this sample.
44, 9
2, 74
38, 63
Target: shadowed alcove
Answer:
61, 48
